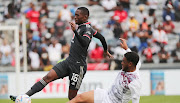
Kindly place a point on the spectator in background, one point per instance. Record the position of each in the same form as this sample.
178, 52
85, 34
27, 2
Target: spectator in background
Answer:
10, 11
151, 18
168, 25
48, 38
96, 55
111, 22
134, 42
65, 13
149, 52
144, 24
141, 2
35, 59
154, 24
42, 26
36, 42
44, 58
54, 51
44, 12
133, 23
153, 4
177, 10
73, 9
18, 6
159, 36
51, 32
141, 14
61, 38
65, 50
143, 35
108, 5
168, 2
6, 59
149, 31
126, 4
118, 57
33, 17
59, 26
43, 43
168, 11
163, 55
29, 39
122, 14
93, 2
176, 53
29, 9
5, 47
117, 29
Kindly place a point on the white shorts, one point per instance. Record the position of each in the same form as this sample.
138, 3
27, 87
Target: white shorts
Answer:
99, 95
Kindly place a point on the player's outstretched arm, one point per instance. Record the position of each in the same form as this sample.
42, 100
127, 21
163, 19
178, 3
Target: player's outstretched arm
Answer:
123, 44
103, 41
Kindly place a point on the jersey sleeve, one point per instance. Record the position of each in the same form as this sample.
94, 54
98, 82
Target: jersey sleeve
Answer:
83, 40
135, 88
94, 32
88, 33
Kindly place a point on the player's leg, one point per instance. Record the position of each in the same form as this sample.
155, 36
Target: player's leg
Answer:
51, 76
76, 76
72, 94
41, 84
87, 97
58, 71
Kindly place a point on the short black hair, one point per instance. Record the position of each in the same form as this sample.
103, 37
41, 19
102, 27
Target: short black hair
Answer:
84, 10
132, 57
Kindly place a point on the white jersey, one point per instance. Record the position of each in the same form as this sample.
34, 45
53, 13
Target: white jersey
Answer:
126, 86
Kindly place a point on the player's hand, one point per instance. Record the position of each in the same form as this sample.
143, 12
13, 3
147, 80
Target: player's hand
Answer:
123, 44
73, 26
106, 53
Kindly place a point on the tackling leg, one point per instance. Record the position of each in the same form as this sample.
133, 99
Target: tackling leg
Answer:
87, 97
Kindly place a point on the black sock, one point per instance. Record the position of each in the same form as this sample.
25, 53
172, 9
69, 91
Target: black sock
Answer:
36, 87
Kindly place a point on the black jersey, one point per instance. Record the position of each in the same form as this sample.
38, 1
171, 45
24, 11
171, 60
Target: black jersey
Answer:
78, 53
75, 65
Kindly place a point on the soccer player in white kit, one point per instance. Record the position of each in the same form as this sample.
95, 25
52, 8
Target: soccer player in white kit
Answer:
126, 86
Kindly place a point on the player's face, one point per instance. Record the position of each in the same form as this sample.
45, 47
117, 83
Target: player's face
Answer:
124, 64
79, 17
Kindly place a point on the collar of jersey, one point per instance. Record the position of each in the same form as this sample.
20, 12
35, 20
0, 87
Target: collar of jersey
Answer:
85, 23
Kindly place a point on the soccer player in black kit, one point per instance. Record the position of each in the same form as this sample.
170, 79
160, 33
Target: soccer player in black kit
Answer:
75, 65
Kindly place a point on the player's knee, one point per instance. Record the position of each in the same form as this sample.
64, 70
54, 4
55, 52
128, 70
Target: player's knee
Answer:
48, 78
70, 97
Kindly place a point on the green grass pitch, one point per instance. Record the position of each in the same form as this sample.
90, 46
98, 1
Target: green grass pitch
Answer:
144, 99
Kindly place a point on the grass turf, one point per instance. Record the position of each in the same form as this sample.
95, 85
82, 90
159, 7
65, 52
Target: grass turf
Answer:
144, 99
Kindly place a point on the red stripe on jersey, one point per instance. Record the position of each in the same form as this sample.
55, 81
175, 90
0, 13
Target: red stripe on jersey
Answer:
87, 36
88, 23
95, 33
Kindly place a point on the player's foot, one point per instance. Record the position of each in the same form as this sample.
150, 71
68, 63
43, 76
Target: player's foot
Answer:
13, 98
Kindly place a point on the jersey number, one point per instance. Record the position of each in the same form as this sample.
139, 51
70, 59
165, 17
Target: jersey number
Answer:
75, 77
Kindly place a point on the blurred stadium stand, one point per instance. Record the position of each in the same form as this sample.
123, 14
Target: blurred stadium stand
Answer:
99, 19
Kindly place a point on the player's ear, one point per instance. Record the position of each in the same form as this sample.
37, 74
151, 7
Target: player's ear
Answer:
130, 64
86, 17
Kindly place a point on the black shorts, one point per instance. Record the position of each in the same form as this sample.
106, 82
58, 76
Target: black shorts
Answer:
74, 70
